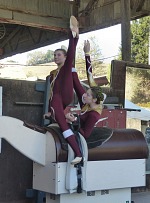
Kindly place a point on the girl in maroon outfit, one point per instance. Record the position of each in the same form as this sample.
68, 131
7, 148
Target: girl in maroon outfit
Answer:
61, 94
90, 101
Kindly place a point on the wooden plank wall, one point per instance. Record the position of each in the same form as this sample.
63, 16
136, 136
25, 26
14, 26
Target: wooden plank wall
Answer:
15, 168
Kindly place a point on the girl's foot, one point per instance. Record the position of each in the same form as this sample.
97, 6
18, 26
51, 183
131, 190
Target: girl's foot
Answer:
76, 160
64, 47
74, 26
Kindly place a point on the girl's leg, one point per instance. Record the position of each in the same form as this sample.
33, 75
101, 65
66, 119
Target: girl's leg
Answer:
66, 73
58, 112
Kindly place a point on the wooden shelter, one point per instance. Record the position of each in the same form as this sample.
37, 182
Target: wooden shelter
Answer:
29, 24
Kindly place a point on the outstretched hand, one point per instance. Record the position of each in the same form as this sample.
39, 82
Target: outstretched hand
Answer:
86, 47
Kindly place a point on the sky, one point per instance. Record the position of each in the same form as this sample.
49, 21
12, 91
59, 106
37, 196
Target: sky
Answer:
109, 41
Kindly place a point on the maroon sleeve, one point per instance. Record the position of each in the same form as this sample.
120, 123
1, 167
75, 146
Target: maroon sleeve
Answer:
88, 64
89, 71
89, 123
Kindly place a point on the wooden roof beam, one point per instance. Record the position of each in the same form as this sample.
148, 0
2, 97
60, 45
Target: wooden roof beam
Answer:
137, 5
49, 23
89, 7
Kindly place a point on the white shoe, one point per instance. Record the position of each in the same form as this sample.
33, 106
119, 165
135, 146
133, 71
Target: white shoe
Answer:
74, 26
76, 160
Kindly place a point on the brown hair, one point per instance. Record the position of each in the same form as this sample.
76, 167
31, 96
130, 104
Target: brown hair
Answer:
97, 93
63, 50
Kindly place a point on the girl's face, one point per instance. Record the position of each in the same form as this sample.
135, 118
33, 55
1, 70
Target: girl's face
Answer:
88, 97
59, 57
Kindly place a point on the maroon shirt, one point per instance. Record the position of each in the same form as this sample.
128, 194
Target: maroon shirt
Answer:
90, 117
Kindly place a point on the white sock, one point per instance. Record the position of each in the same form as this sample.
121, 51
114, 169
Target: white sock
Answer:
67, 133
74, 70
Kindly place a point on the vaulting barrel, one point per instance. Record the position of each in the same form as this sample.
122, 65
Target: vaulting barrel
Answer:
115, 164
105, 144
114, 161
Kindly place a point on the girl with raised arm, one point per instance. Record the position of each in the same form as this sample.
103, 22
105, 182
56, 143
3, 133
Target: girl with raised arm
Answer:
61, 94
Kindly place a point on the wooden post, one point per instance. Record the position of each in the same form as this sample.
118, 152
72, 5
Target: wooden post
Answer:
125, 30
1, 88
1, 51
149, 48
0, 100
118, 80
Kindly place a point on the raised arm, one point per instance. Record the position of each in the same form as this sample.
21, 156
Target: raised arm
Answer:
86, 50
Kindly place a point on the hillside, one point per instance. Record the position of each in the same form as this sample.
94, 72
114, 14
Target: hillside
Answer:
17, 71
20, 72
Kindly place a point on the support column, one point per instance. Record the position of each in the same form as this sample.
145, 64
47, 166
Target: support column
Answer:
0, 101
118, 80
0, 112
125, 30
149, 48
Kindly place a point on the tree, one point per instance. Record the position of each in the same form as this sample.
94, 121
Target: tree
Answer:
139, 54
49, 56
140, 40
140, 29
140, 47
39, 57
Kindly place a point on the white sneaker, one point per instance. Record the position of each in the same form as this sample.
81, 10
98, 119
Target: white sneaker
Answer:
76, 160
74, 26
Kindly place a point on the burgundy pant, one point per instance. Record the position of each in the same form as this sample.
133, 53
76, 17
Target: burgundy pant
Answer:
63, 87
